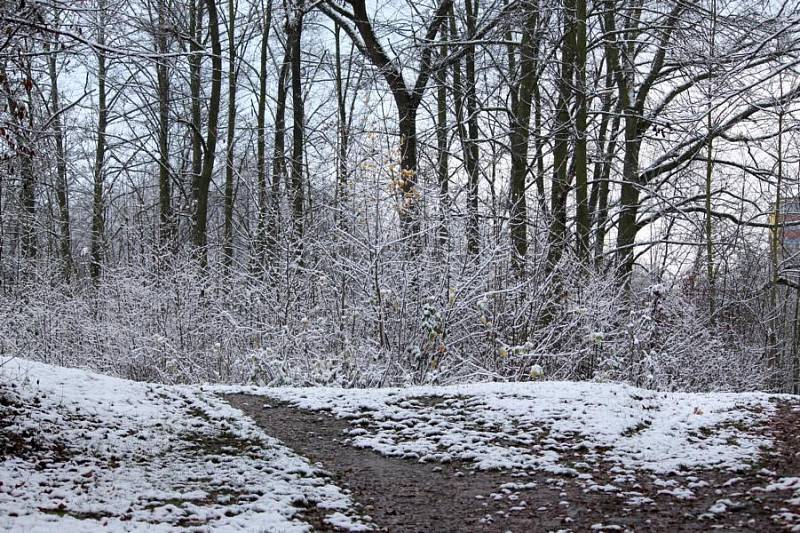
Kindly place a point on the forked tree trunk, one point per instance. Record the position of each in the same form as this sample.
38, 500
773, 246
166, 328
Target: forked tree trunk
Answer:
209, 153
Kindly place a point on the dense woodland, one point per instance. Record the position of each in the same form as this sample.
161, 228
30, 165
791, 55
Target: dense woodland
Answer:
405, 191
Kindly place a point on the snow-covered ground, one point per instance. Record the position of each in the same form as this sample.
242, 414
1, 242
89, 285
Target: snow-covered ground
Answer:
539, 425
85, 452
106, 454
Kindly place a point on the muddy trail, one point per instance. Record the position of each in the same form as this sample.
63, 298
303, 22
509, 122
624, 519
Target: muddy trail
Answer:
402, 495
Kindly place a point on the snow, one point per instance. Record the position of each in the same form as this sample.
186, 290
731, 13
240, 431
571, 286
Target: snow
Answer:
536, 425
787, 484
342, 521
117, 455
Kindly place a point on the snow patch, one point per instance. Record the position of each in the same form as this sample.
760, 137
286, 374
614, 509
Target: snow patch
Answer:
108, 454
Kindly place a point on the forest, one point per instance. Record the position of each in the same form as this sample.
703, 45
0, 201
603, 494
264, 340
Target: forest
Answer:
397, 192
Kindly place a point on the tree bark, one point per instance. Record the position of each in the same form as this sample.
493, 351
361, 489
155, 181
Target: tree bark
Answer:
557, 234
409, 219
261, 142
61, 185
583, 220
633, 103
470, 143
98, 202
442, 152
30, 245
519, 133
204, 181
195, 72
278, 156
227, 246
406, 99
166, 222
294, 34
343, 134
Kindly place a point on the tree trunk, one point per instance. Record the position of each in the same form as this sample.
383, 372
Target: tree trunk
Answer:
166, 223
28, 203
261, 149
557, 234
442, 152
712, 299
773, 345
227, 246
278, 155
409, 219
343, 136
298, 130
201, 213
407, 102
27, 176
629, 200
519, 133
633, 105
98, 203
470, 144
603, 179
602, 169
195, 65
61, 187
581, 186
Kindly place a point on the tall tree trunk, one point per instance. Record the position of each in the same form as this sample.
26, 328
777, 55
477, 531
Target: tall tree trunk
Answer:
61, 186
583, 220
195, 87
27, 176
442, 152
28, 203
166, 223
409, 218
227, 247
557, 234
278, 154
773, 346
343, 136
298, 129
633, 105
201, 213
407, 102
471, 142
603, 177
465, 101
519, 133
538, 152
261, 163
598, 199
712, 298
629, 200
98, 203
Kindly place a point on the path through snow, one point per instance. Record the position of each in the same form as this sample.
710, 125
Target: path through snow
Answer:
86, 452
83, 452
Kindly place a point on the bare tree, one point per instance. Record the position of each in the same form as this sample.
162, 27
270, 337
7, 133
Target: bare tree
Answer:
357, 25
209, 145
522, 94
98, 198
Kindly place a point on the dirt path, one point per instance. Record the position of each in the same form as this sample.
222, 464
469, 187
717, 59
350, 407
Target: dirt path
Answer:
407, 496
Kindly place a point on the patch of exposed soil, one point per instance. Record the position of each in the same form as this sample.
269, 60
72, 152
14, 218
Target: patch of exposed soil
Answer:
401, 495
25, 443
